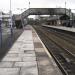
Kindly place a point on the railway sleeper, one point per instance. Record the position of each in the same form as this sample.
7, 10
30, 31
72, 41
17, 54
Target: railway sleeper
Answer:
66, 59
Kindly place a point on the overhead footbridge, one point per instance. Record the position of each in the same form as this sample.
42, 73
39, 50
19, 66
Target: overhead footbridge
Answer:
42, 11
45, 11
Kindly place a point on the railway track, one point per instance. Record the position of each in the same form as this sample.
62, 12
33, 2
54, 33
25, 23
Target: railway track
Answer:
63, 55
68, 41
68, 37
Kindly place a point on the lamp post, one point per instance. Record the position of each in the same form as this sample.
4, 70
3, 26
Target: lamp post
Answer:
65, 13
65, 7
10, 22
11, 27
29, 4
29, 7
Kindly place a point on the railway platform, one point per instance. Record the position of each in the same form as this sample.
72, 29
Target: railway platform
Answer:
70, 29
28, 56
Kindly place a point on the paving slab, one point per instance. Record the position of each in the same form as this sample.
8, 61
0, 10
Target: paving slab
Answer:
12, 59
25, 64
27, 48
6, 64
29, 71
29, 59
12, 55
26, 55
9, 71
38, 45
14, 51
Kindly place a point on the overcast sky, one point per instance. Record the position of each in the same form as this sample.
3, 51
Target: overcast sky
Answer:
5, 4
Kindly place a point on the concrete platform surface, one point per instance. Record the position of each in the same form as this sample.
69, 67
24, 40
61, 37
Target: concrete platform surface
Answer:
71, 29
28, 56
